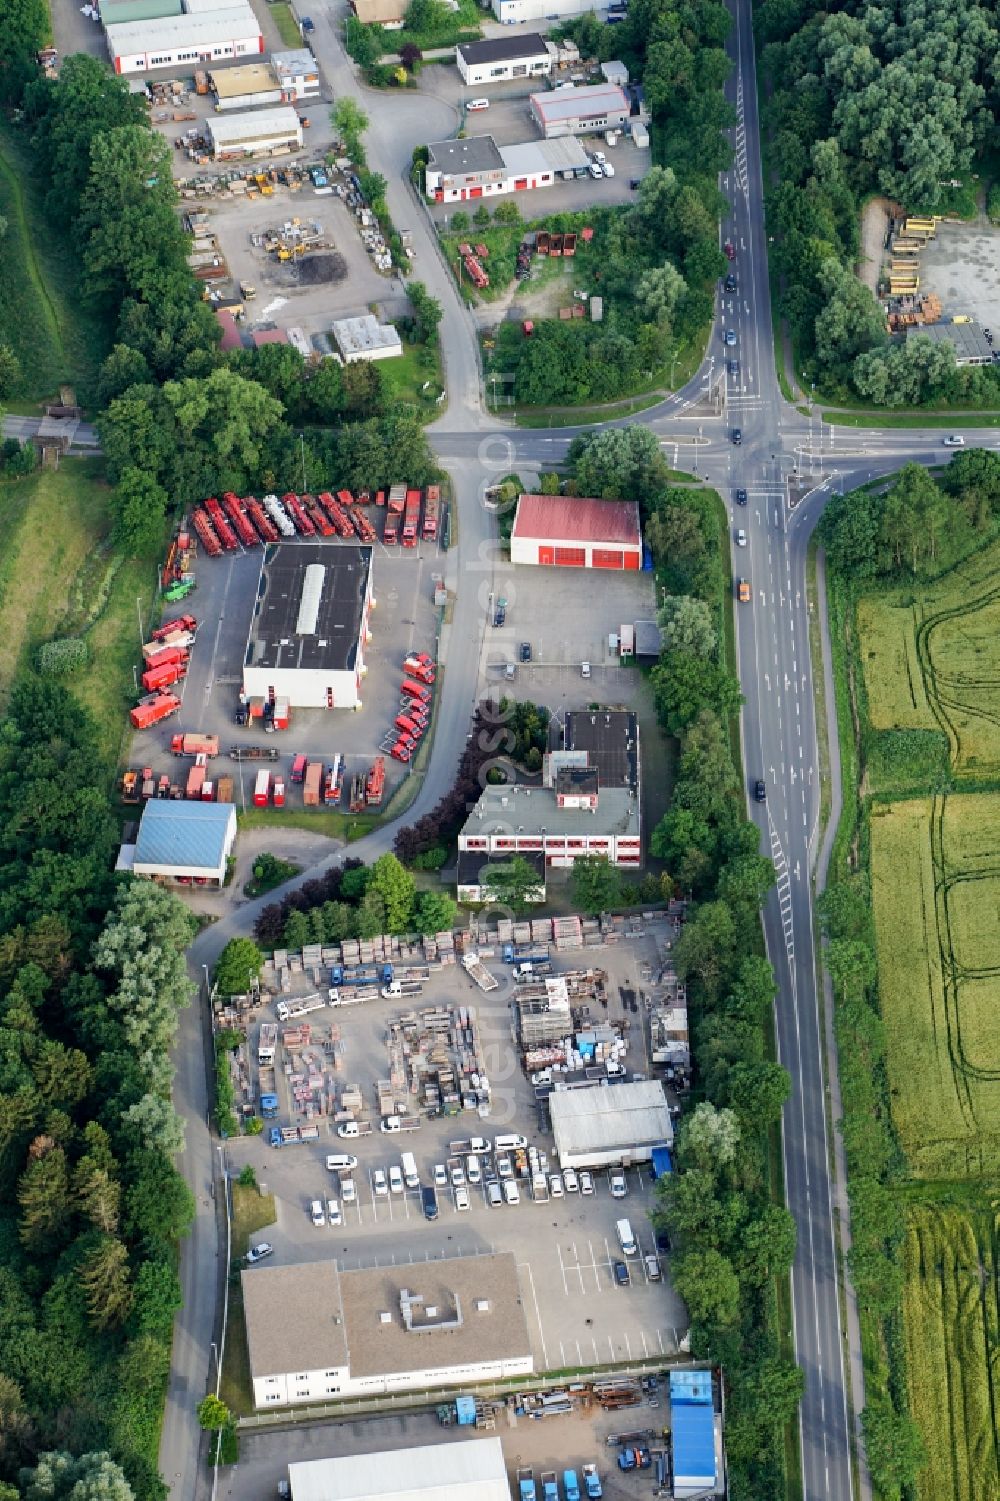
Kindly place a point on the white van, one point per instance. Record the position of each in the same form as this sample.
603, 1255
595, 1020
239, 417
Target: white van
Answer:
410, 1175
509, 1143
626, 1239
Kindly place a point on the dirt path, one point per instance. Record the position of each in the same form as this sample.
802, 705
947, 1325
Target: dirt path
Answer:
874, 228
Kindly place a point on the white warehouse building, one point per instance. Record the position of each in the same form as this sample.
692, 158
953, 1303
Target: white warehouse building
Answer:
309, 629
610, 1127
144, 46
316, 1333
255, 133
501, 58
471, 1469
516, 12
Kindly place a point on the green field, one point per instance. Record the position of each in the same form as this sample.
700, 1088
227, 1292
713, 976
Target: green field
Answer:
930, 661
950, 1324
935, 867
56, 527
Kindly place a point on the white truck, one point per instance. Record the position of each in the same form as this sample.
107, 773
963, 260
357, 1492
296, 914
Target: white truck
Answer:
410, 1175
476, 970
291, 1010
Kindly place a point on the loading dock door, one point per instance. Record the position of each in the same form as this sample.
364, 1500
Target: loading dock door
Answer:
570, 557
605, 558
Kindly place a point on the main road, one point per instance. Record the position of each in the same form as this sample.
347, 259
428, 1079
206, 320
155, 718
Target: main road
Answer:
782, 455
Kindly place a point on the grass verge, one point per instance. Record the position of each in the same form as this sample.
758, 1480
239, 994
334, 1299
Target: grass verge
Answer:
343, 826
930, 418
281, 14
403, 380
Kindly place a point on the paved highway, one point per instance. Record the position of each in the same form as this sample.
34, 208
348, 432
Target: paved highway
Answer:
778, 725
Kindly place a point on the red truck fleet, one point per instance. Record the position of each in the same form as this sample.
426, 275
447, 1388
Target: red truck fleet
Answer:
411, 518
432, 508
149, 711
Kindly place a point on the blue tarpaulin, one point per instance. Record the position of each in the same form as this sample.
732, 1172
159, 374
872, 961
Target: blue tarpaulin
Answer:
692, 1421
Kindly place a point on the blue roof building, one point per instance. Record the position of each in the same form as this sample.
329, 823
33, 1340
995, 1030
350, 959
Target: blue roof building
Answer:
185, 841
692, 1421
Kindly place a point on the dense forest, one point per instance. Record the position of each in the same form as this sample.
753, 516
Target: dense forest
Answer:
857, 101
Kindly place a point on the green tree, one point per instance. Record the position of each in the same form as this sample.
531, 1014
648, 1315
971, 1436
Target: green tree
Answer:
155, 1125
213, 1414
397, 889
704, 948
708, 1139
371, 915
705, 1279
596, 883
658, 292
435, 912
104, 1277
239, 967
512, 883
767, 1245
61, 1477
893, 1446
851, 321
139, 506
618, 463
157, 1298
687, 624
42, 1192
427, 311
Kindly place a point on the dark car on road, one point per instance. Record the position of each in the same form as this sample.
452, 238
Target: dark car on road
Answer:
737, 436
525, 651
733, 366
741, 497
730, 283
760, 791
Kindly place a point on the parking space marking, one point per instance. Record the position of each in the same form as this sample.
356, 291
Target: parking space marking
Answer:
526, 1266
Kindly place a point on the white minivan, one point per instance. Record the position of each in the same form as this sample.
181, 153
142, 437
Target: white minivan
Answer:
410, 1175
509, 1143
626, 1239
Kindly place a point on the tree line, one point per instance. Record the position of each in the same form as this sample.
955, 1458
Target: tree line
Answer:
857, 104
354, 900
92, 978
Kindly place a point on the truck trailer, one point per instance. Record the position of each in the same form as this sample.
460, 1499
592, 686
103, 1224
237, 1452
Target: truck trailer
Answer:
195, 745
151, 710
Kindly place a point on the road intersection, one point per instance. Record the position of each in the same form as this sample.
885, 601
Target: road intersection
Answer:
784, 456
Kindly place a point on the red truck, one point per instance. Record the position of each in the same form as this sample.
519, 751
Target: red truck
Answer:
416, 690
393, 514
419, 668
195, 745
262, 521
400, 751
411, 518
206, 534
409, 726
182, 623
223, 530
262, 788
279, 793
298, 513
299, 764
432, 508
195, 780
313, 784
149, 711
163, 676
236, 510
156, 654
333, 782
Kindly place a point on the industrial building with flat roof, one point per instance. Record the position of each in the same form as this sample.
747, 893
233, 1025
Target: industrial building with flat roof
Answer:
144, 46
182, 841
476, 167
471, 1469
315, 1332
609, 738
514, 819
504, 57
696, 1435
297, 73
517, 12
970, 344
120, 12
257, 133
310, 626
365, 338
247, 87
605, 1127
580, 110
572, 532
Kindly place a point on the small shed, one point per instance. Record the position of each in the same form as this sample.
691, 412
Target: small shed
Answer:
616, 73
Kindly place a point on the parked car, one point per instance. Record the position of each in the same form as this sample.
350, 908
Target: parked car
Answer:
596, 171
570, 1181
396, 1180
458, 1176
608, 168
348, 1191
556, 1186
429, 1201
478, 104
525, 651
505, 1167
652, 1268
586, 1182
316, 1212
473, 1170
622, 1277
462, 1198
334, 1215
259, 1252
494, 1195
380, 1185
440, 1175
617, 1183
348, 1130
511, 1192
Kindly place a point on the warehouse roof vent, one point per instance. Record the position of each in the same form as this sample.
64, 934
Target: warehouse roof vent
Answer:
312, 593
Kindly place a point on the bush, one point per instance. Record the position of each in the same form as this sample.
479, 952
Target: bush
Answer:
57, 659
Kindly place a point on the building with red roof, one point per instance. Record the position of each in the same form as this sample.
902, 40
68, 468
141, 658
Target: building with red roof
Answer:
262, 336
568, 531
230, 333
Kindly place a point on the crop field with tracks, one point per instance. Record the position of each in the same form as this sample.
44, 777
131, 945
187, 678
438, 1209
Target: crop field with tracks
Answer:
950, 1327
931, 661
935, 866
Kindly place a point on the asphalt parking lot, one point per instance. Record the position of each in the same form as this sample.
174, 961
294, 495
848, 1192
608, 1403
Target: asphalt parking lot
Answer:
404, 619
567, 615
565, 1247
